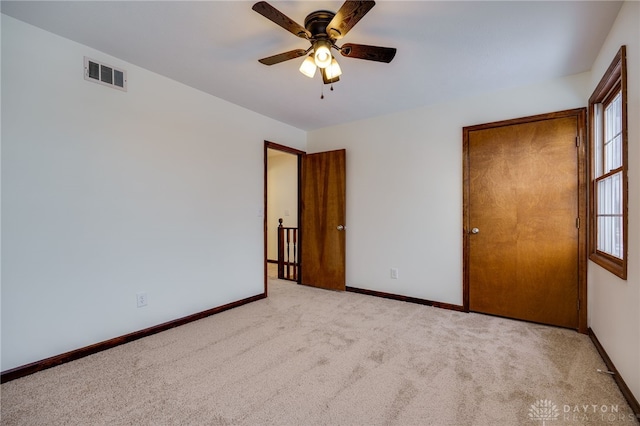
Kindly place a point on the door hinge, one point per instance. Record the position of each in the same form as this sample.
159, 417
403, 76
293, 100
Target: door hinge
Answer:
578, 304
577, 141
578, 222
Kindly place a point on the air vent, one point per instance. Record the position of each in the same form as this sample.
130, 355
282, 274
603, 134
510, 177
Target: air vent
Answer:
105, 74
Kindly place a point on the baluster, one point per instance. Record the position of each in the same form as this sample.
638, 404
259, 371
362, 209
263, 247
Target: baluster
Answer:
295, 252
280, 250
288, 255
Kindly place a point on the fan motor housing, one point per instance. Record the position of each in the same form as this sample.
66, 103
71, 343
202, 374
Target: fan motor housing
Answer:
316, 23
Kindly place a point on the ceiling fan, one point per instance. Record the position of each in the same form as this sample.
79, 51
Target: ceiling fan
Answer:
322, 29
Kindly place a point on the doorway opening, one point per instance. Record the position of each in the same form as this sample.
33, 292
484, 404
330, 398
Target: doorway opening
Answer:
282, 174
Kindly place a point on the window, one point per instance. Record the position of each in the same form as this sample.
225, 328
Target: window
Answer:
608, 155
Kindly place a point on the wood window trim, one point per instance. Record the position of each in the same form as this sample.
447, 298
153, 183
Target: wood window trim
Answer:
614, 80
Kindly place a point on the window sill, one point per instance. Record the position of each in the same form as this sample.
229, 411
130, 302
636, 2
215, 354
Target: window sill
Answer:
617, 267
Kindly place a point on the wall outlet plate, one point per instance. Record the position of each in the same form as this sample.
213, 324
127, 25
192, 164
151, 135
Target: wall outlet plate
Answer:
141, 299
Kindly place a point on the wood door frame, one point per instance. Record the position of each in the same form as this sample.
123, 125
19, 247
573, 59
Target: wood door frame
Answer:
580, 114
277, 147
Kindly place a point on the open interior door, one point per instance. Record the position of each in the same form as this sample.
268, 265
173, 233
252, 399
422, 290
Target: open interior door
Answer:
322, 220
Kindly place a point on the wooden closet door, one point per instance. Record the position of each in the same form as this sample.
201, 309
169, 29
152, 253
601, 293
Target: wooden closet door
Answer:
521, 211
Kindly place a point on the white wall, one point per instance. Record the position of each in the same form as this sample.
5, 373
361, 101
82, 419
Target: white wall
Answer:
404, 186
106, 194
282, 196
614, 304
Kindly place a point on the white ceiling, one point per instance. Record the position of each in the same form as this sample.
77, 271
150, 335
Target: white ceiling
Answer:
446, 50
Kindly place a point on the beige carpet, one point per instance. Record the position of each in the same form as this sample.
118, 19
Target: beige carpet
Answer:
306, 356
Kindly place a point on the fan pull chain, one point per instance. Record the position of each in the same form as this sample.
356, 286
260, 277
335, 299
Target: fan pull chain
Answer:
322, 90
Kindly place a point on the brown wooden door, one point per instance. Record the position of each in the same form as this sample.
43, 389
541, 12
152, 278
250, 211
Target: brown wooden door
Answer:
322, 212
521, 208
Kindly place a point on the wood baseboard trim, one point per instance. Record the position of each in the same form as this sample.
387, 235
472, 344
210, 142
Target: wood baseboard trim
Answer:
407, 299
25, 370
626, 392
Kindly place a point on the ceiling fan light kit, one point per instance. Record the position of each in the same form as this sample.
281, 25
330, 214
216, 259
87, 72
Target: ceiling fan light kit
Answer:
322, 29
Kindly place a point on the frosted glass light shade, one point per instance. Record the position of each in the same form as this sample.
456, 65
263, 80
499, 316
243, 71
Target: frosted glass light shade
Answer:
322, 53
308, 67
334, 70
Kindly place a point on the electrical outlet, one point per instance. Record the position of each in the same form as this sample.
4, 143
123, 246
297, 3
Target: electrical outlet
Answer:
141, 299
394, 273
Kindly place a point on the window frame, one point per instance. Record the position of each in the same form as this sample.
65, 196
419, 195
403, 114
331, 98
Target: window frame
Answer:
613, 81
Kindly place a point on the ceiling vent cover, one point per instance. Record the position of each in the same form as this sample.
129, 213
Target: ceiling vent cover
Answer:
104, 74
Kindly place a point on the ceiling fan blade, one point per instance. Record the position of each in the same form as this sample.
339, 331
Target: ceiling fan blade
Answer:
274, 15
281, 57
348, 15
326, 79
370, 53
